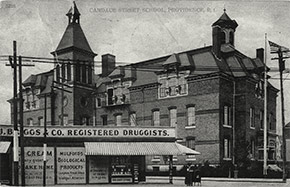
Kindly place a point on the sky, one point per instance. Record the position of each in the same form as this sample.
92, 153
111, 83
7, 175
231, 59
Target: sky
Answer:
137, 30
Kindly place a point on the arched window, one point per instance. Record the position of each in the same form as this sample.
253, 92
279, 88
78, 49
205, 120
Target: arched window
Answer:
232, 38
223, 38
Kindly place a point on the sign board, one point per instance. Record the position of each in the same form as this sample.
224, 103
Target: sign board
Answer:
99, 169
71, 165
93, 132
34, 166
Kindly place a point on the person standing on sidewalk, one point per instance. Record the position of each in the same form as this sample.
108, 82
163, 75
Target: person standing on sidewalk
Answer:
191, 174
186, 174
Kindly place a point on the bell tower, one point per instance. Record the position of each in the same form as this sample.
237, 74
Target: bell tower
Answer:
74, 67
223, 34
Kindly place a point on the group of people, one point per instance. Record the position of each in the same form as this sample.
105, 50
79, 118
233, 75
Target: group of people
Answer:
192, 175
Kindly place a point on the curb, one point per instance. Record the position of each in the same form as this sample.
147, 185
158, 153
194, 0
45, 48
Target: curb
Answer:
258, 180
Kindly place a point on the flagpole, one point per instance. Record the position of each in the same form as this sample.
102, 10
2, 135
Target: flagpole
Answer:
265, 109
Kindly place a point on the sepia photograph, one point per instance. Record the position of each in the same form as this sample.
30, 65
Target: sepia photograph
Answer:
145, 93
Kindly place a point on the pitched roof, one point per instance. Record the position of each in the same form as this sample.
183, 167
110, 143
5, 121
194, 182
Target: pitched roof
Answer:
201, 61
226, 21
42, 81
74, 37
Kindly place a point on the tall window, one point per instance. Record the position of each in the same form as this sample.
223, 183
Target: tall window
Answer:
63, 73
261, 119
40, 121
252, 117
227, 148
78, 72
190, 142
155, 118
65, 120
30, 122
84, 73
227, 116
119, 119
84, 121
252, 151
173, 117
69, 66
271, 123
98, 102
191, 116
223, 38
232, 38
104, 120
133, 121
110, 96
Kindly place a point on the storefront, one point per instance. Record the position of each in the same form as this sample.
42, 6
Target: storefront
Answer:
91, 155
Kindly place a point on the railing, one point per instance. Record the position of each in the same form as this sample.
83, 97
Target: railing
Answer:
118, 100
173, 90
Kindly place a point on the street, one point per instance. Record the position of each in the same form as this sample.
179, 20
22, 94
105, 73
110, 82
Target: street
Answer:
177, 182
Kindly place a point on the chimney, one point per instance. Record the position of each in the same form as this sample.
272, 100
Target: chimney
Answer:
260, 54
108, 64
216, 41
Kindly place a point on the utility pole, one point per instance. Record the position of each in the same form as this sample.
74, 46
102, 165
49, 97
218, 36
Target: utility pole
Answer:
15, 116
265, 153
281, 69
44, 142
22, 164
280, 50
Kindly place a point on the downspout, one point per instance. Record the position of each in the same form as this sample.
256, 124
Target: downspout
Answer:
234, 125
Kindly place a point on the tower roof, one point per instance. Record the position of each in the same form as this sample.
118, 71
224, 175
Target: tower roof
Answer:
225, 21
74, 36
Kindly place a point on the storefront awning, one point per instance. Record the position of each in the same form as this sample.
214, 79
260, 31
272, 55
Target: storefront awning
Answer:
4, 146
137, 148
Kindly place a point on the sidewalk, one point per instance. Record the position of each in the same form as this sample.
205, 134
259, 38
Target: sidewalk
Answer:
151, 179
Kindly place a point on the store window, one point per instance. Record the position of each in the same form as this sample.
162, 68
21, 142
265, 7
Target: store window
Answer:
191, 116
121, 167
227, 148
252, 117
155, 117
119, 119
133, 120
173, 117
